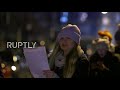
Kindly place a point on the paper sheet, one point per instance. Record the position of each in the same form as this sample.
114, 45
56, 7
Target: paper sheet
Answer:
37, 61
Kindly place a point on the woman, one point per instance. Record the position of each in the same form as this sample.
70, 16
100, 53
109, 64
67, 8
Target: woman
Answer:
105, 34
103, 63
68, 59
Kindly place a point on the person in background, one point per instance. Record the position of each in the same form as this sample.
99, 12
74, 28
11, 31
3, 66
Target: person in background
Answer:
68, 59
103, 63
1, 73
117, 47
105, 34
117, 39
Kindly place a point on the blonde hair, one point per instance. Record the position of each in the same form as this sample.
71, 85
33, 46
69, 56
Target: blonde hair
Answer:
70, 62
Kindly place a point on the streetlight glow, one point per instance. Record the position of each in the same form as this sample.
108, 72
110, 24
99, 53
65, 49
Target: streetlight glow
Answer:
104, 12
13, 68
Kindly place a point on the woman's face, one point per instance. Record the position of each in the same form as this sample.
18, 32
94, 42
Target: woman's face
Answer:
102, 49
66, 43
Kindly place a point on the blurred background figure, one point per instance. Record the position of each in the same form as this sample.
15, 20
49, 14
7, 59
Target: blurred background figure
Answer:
117, 39
117, 46
105, 34
6, 70
6, 57
103, 63
1, 73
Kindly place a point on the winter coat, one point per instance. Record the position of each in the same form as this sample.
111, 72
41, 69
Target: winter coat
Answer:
110, 61
81, 69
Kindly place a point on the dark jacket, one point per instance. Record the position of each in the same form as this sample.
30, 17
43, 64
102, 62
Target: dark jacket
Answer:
117, 39
1, 74
110, 61
81, 70
117, 49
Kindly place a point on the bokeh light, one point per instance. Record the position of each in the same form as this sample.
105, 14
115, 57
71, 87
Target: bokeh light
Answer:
15, 58
104, 12
13, 68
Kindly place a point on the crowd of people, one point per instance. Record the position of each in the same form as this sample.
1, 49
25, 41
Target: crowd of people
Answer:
69, 60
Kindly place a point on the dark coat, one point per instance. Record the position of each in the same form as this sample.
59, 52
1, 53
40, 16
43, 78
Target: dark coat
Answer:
117, 49
81, 71
110, 61
1, 74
